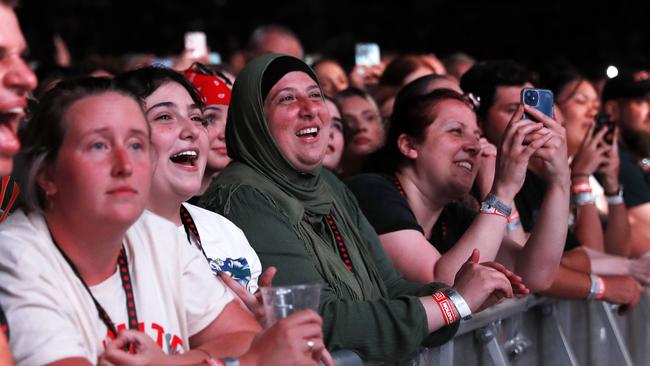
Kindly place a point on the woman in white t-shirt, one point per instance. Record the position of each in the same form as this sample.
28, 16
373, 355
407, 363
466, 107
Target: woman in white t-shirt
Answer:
179, 137
86, 277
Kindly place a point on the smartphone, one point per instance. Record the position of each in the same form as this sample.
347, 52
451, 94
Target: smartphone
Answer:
367, 54
197, 44
604, 121
214, 58
540, 99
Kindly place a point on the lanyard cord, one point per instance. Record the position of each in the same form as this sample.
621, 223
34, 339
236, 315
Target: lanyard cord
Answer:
191, 229
125, 276
443, 222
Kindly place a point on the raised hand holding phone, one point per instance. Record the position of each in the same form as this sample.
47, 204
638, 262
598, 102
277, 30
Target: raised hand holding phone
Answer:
540, 99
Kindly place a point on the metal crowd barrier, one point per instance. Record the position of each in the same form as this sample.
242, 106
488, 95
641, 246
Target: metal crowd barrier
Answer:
540, 331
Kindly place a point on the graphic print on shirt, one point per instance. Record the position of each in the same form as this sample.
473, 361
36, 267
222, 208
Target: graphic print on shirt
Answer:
171, 344
236, 268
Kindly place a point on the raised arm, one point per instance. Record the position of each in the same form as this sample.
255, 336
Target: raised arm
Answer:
522, 138
538, 261
617, 231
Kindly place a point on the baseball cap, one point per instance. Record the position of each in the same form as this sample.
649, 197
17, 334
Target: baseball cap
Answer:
627, 85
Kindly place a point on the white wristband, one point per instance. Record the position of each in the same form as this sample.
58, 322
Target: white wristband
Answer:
593, 290
584, 198
461, 306
616, 199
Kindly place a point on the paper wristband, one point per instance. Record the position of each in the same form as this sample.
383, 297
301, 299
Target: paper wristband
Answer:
581, 188
446, 307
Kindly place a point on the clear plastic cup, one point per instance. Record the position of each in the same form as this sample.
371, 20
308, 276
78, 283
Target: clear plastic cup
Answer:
281, 301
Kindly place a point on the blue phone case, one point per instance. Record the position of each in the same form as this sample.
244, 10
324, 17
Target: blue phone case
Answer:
540, 99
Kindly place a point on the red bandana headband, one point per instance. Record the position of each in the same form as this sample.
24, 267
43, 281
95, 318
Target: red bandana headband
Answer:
212, 89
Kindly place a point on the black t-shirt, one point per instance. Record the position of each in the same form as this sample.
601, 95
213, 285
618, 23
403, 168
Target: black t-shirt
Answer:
386, 207
636, 184
529, 202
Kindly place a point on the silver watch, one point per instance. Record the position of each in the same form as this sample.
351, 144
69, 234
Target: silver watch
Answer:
492, 202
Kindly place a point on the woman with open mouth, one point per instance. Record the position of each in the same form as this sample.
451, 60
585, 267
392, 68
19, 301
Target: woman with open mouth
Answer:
179, 137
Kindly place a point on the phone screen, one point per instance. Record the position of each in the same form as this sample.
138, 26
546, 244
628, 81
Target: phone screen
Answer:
540, 99
603, 121
197, 44
367, 54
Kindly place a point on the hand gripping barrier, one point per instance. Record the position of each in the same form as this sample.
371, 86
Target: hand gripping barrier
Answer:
540, 331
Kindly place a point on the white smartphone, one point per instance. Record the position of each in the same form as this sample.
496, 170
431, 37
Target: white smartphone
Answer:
367, 54
197, 44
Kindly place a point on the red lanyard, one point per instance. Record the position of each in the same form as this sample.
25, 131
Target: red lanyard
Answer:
191, 229
3, 324
340, 245
125, 276
443, 223
14, 194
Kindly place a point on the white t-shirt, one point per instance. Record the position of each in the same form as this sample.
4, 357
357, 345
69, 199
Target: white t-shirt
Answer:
226, 246
51, 315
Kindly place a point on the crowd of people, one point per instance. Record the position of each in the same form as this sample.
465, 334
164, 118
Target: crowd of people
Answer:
143, 210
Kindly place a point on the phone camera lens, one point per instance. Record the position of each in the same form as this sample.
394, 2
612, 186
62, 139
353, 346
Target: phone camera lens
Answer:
531, 97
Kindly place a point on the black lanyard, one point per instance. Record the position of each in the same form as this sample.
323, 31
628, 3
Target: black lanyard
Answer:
125, 276
190, 229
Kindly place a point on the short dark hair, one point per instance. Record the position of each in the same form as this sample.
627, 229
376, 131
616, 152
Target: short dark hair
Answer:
411, 117
144, 81
483, 79
43, 135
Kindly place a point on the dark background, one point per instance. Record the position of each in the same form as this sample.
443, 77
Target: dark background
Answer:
590, 35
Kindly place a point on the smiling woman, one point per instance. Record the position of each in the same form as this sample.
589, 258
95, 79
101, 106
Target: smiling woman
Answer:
302, 220
298, 120
429, 164
179, 137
